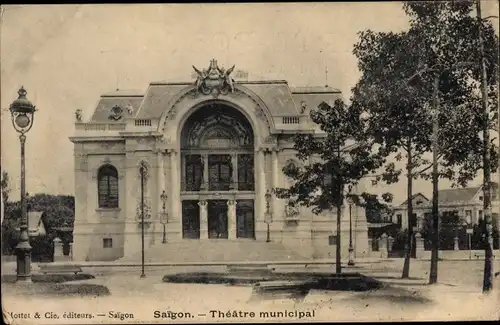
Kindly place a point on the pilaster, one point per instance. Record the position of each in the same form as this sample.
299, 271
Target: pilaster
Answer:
203, 219
260, 226
175, 207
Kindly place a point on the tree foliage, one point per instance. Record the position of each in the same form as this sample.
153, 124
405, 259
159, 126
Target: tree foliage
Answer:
332, 162
431, 69
376, 211
5, 186
395, 89
57, 211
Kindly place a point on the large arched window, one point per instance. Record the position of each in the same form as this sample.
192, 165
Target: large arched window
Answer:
107, 187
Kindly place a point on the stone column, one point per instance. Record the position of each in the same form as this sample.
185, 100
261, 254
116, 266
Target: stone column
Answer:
71, 250
382, 245
231, 219
203, 219
174, 193
419, 243
234, 176
204, 185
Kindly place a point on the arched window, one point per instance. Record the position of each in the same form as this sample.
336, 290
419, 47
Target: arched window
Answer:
107, 187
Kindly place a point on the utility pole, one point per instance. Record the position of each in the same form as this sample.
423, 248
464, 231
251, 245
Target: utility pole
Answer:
488, 227
433, 275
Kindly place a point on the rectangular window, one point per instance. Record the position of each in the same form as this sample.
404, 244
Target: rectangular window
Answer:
399, 218
414, 220
107, 242
219, 172
245, 173
194, 173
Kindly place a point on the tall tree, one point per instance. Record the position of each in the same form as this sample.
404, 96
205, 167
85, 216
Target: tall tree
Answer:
330, 168
485, 114
412, 76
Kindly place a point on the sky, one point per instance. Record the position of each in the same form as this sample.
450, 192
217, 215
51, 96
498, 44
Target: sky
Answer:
66, 56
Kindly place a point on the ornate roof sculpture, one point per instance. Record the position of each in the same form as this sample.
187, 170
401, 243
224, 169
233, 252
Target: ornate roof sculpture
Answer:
214, 80
116, 113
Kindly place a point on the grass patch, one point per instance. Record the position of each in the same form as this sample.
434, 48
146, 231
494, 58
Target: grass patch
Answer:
56, 289
312, 280
49, 278
391, 295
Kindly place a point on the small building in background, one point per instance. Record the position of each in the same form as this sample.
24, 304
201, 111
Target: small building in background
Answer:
467, 202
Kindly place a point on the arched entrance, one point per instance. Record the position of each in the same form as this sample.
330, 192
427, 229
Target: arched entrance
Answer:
217, 174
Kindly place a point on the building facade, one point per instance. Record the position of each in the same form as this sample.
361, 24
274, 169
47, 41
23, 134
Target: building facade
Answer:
467, 202
214, 147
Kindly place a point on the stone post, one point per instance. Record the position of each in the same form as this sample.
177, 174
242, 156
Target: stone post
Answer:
455, 243
370, 244
419, 243
390, 242
58, 250
71, 250
382, 245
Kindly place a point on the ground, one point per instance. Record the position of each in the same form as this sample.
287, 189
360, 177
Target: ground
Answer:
457, 296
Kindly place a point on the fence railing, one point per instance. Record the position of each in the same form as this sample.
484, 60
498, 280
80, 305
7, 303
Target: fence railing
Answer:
100, 127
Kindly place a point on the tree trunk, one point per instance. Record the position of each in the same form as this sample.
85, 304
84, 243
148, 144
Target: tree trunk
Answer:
488, 227
409, 238
433, 275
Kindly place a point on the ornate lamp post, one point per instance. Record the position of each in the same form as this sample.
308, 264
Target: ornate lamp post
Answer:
23, 114
351, 249
143, 171
164, 215
268, 214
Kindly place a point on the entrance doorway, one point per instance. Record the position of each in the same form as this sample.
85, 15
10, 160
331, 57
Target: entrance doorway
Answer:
190, 219
217, 219
245, 225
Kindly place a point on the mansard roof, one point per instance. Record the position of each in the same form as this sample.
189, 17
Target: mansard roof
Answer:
280, 99
116, 98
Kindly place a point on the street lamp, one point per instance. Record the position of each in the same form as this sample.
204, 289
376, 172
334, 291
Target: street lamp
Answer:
268, 214
351, 249
164, 215
143, 171
23, 115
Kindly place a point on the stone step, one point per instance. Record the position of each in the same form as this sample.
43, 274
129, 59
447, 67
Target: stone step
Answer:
216, 251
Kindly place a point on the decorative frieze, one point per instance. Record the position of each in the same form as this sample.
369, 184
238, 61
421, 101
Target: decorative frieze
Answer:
107, 145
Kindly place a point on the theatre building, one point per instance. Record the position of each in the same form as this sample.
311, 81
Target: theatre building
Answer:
214, 147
